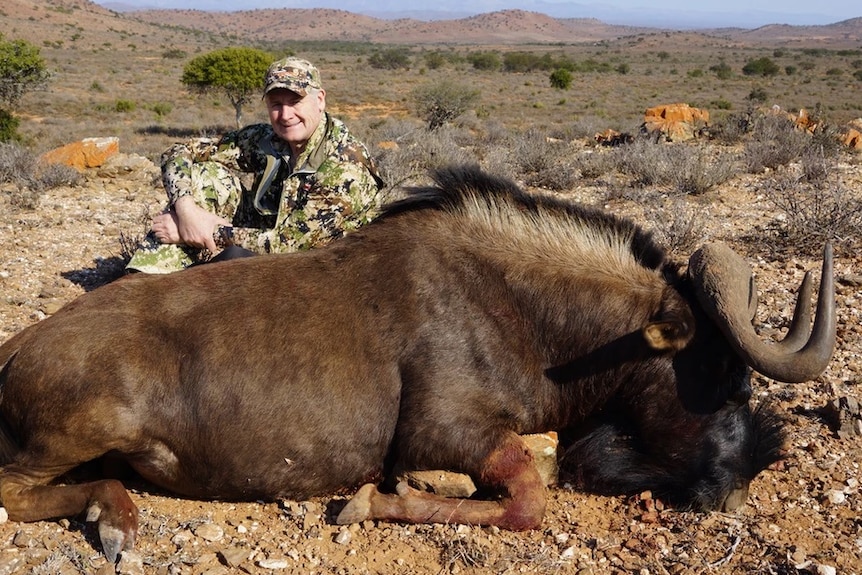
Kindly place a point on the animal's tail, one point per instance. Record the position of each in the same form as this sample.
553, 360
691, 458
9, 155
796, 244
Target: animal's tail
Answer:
8, 445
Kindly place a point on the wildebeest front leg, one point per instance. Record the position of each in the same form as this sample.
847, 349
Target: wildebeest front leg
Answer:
510, 469
105, 501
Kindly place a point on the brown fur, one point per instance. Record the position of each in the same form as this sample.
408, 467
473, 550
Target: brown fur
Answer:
465, 315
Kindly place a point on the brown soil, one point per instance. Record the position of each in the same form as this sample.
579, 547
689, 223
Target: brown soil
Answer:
803, 516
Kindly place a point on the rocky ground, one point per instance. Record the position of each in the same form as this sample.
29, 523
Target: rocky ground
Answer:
803, 516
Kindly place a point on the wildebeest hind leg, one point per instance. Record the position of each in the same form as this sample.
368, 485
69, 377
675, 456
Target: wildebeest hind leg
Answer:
105, 501
510, 469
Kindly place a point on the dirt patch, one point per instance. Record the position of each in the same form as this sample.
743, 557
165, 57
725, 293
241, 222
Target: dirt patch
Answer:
803, 516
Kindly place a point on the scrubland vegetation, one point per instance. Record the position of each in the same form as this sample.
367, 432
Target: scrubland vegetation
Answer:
529, 112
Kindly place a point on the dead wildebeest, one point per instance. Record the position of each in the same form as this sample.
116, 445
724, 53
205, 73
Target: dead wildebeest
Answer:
467, 314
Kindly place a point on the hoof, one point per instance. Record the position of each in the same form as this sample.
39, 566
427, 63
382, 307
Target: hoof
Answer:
114, 540
359, 507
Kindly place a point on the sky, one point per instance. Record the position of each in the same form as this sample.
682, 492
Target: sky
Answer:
660, 13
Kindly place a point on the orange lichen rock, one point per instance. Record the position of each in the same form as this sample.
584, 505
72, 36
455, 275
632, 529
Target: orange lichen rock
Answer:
676, 121
86, 153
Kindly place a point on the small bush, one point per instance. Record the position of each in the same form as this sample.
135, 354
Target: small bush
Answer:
561, 79
19, 166
418, 150
8, 126
174, 54
489, 61
733, 128
761, 67
390, 59
774, 142
123, 106
815, 213
722, 70
758, 95
443, 101
687, 168
434, 60
677, 226
161, 109
543, 162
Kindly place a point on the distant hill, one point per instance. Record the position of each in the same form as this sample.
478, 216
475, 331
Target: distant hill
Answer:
88, 24
502, 27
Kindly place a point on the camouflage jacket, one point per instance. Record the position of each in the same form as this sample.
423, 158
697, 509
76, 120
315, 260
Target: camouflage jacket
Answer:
334, 187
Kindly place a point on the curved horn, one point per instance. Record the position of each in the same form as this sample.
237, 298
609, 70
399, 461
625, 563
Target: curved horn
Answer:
725, 288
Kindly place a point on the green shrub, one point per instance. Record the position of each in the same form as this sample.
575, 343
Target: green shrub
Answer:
161, 109
722, 70
124, 106
8, 127
434, 60
390, 59
761, 67
758, 95
174, 54
561, 79
485, 60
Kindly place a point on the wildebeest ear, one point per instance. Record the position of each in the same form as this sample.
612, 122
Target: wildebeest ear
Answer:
668, 335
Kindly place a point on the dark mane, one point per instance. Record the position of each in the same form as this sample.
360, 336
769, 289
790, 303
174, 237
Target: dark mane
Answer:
455, 184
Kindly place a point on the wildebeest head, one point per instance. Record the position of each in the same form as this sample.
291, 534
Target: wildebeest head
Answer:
715, 443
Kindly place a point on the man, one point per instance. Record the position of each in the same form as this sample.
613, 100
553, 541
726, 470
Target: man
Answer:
312, 182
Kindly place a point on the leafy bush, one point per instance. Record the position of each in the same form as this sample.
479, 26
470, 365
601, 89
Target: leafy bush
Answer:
161, 109
485, 60
722, 70
761, 67
8, 126
561, 79
390, 59
124, 106
22, 69
434, 60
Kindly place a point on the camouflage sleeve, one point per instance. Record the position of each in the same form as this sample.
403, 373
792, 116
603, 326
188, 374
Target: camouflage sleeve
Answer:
230, 153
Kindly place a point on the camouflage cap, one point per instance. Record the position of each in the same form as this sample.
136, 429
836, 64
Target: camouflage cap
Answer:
295, 74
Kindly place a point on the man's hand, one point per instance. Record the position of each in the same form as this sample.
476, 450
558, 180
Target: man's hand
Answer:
189, 224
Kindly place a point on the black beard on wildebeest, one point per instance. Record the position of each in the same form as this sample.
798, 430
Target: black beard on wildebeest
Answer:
467, 314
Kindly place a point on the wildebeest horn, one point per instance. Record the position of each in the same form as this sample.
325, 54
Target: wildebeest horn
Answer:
725, 287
